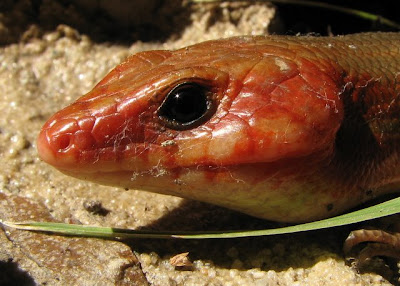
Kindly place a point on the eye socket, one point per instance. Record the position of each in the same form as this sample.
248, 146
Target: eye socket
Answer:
186, 106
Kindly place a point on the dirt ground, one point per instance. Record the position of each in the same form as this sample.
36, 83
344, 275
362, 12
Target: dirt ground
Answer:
51, 53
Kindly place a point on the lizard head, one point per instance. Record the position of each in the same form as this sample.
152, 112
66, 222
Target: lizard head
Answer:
222, 122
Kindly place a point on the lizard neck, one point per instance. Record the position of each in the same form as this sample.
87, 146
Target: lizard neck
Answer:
367, 143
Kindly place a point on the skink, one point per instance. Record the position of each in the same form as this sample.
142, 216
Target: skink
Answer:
283, 128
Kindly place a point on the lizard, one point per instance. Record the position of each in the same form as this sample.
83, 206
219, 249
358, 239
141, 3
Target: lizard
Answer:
289, 129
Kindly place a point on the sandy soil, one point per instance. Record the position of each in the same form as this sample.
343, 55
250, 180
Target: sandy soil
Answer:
45, 67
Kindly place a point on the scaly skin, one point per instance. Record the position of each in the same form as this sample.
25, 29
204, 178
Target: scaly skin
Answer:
304, 127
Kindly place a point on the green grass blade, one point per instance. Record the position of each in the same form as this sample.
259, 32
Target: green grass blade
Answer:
377, 211
380, 210
357, 13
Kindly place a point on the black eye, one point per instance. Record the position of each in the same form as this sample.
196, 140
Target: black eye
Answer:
186, 106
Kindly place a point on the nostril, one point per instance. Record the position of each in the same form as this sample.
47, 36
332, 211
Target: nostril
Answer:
60, 134
56, 145
61, 142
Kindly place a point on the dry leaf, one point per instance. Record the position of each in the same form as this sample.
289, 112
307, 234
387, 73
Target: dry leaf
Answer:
181, 260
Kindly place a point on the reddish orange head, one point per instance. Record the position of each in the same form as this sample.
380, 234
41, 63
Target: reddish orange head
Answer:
224, 122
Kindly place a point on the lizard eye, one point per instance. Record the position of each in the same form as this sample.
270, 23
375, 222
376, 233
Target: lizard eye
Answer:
186, 106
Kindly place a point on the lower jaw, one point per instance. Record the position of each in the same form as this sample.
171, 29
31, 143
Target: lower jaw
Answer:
278, 196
